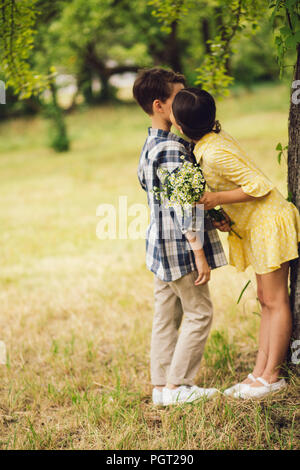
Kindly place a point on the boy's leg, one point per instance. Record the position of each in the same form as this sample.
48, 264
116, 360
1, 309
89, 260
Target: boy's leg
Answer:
195, 328
166, 322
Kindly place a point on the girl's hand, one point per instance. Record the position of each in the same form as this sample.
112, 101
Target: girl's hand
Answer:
203, 270
223, 225
210, 200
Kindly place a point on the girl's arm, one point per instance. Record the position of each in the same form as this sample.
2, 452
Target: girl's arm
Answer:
211, 200
232, 166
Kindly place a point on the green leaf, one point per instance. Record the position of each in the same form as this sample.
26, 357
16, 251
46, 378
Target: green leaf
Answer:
291, 42
279, 157
242, 292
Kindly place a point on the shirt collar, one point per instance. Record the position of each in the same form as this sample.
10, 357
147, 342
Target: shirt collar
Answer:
170, 136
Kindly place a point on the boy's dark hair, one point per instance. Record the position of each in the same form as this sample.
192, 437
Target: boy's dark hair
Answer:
154, 84
195, 112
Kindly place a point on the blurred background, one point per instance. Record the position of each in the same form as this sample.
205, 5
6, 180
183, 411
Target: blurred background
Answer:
94, 48
76, 311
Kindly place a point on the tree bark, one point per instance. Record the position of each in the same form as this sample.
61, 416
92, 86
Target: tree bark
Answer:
59, 140
84, 80
92, 63
172, 51
220, 27
168, 52
205, 34
294, 190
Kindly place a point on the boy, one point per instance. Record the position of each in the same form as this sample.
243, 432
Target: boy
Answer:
181, 273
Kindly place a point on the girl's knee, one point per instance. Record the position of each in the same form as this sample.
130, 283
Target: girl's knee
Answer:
276, 300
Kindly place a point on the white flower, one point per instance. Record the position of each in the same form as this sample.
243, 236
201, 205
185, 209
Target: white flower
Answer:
181, 188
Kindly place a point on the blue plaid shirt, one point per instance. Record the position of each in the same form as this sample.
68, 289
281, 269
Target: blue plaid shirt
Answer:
170, 258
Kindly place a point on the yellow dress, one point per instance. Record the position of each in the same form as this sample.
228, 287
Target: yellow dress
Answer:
269, 227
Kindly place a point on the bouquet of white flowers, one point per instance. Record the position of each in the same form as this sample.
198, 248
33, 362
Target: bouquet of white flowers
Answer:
184, 187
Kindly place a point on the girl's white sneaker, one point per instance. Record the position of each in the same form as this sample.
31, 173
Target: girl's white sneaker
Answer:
238, 388
259, 392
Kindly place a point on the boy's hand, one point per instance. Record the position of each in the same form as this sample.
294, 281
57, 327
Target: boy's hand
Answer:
200, 259
223, 225
202, 268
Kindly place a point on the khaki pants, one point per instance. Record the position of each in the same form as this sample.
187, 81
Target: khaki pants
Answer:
175, 358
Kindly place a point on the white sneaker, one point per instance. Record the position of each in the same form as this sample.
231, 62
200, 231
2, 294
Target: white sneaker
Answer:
239, 387
259, 392
157, 396
186, 394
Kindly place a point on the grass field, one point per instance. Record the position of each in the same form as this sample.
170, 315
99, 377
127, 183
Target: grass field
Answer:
76, 311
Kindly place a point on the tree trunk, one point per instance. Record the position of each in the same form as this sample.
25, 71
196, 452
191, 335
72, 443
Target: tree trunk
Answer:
220, 28
59, 140
93, 64
168, 52
107, 92
85, 83
205, 34
294, 190
172, 50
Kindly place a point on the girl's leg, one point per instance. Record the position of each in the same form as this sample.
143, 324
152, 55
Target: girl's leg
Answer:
276, 331
263, 349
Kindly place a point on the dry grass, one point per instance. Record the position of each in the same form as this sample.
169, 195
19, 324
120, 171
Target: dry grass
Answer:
76, 312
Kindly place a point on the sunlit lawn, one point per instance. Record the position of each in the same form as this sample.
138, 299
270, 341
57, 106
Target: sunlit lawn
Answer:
76, 311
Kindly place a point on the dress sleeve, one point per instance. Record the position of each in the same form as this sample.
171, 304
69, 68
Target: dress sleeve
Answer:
233, 167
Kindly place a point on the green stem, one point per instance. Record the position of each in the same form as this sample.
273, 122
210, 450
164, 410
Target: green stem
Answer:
236, 234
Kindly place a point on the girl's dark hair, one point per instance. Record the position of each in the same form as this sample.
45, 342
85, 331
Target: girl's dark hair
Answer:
195, 112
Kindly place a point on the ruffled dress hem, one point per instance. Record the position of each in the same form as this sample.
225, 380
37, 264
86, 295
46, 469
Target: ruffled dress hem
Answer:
257, 246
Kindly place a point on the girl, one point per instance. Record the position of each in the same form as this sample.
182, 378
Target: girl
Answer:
268, 224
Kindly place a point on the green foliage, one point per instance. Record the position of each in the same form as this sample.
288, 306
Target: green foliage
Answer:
285, 19
236, 18
254, 59
230, 21
169, 11
102, 37
213, 75
219, 352
58, 134
98, 31
17, 23
58, 137
281, 151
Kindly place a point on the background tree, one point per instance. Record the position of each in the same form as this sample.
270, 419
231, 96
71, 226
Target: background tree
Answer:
286, 21
102, 38
229, 20
25, 75
17, 31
